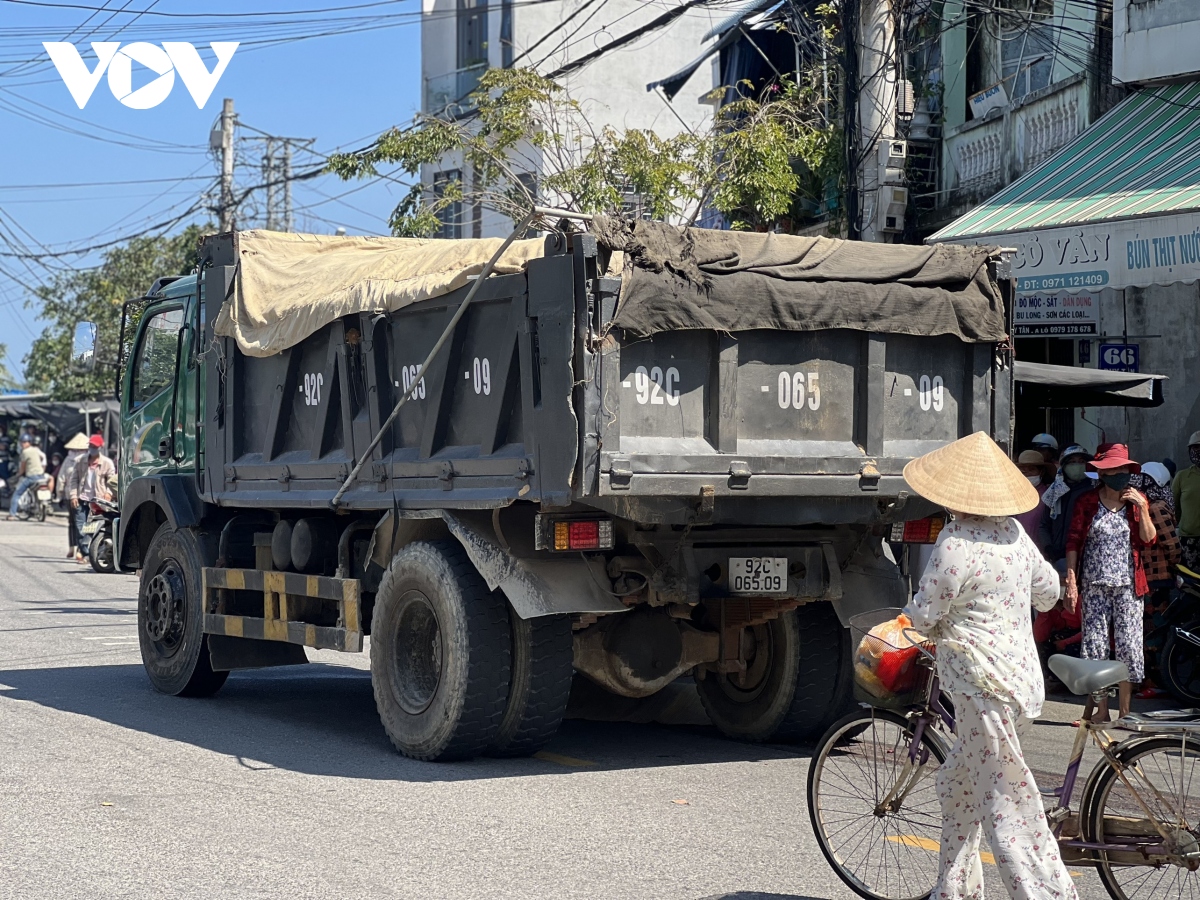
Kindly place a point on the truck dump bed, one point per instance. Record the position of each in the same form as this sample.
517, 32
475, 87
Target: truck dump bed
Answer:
761, 371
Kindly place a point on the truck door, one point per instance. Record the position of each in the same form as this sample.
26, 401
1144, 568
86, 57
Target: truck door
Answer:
151, 392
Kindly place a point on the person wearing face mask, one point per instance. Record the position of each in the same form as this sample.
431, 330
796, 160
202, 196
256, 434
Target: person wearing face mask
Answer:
1033, 465
1185, 489
1110, 530
1058, 502
1047, 445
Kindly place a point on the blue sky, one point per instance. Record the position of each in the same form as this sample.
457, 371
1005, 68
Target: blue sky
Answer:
137, 168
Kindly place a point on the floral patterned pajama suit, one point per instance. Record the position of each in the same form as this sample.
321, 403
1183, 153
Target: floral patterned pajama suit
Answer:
1108, 593
974, 601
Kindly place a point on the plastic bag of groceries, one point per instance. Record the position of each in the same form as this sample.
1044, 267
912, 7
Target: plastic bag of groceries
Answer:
885, 663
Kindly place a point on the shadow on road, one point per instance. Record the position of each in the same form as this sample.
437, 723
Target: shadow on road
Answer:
756, 895
320, 719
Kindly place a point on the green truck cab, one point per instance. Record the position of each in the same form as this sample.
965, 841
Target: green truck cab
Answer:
160, 394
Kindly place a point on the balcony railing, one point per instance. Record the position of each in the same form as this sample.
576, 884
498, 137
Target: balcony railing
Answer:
449, 94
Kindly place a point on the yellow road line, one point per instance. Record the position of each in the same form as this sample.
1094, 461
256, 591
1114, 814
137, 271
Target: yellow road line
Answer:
571, 761
912, 840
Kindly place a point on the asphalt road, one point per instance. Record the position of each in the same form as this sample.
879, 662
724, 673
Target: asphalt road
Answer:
284, 785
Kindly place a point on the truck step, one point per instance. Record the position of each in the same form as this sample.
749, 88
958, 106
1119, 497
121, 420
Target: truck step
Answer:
278, 590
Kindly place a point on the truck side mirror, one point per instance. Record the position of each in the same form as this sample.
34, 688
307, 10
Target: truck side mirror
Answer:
83, 348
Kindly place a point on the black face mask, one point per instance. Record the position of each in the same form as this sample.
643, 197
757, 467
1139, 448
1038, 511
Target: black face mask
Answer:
1118, 481
1194, 455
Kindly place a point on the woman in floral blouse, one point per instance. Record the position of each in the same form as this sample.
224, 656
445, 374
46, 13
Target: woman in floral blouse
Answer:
974, 602
1110, 530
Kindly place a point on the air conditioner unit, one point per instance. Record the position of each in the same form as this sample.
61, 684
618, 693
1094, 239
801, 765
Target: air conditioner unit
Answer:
893, 201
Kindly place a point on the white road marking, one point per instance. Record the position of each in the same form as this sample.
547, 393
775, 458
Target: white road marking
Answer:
908, 392
766, 389
626, 384
467, 376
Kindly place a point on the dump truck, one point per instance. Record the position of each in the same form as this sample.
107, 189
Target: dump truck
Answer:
641, 453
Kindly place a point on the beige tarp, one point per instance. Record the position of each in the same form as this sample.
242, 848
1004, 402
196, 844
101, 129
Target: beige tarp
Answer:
289, 286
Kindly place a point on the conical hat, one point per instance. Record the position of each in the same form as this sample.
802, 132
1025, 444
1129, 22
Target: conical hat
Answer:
79, 442
972, 475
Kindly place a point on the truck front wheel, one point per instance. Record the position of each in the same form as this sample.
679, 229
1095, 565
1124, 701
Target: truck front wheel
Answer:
797, 679
171, 614
440, 654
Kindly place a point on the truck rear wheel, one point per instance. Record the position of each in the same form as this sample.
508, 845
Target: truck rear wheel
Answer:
440, 654
540, 686
171, 614
797, 681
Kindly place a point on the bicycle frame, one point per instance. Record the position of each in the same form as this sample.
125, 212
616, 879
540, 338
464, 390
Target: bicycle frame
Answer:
935, 711
1059, 815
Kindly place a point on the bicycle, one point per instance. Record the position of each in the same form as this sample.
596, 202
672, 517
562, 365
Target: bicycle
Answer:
875, 812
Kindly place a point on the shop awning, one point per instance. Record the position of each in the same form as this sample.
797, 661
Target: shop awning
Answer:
1065, 387
1139, 160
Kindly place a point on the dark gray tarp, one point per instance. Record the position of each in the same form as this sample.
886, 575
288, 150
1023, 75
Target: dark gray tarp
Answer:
1066, 387
64, 417
696, 278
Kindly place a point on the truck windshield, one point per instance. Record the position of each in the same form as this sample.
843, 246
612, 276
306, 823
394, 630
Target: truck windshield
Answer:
154, 367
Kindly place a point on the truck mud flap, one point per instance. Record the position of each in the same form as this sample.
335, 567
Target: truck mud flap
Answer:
534, 587
275, 625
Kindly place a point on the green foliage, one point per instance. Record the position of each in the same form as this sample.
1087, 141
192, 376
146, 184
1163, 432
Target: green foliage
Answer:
766, 161
96, 295
7, 382
777, 157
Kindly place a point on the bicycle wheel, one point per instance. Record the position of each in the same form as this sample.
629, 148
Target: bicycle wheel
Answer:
1166, 774
881, 850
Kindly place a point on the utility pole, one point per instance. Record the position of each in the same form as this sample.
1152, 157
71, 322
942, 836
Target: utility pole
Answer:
277, 178
271, 181
227, 119
287, 185
876, 118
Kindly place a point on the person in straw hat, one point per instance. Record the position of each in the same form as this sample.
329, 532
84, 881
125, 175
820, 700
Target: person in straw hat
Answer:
974, 603
1041, 474
75, 447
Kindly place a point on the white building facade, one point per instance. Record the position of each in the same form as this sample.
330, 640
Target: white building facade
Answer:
461, 39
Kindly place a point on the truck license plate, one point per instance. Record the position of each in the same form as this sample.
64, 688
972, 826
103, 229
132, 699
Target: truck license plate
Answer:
758, 574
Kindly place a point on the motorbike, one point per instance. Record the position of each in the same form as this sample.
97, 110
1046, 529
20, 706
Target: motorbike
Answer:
1179, 659
99, 525
35, 502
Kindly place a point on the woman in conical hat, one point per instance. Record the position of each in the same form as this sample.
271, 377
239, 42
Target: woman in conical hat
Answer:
974, 602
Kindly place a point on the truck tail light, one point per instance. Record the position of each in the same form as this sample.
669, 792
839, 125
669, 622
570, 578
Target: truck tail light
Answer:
918, 531
583, 534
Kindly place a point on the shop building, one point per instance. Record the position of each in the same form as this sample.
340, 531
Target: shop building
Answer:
1107, 239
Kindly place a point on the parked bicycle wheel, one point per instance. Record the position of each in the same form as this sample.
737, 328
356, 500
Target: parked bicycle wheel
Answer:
876, 816
1166, 774
1179, 668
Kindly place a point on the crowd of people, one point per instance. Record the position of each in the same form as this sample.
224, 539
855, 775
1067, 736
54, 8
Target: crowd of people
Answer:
76, 473
1114, 529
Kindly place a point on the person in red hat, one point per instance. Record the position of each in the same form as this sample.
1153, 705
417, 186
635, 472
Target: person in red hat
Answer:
1110, 529
89, 480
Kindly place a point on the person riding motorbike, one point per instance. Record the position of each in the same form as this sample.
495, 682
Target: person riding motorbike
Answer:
89, 480
30, 471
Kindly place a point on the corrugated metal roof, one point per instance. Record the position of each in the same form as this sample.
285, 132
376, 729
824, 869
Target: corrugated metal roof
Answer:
1138, 160
740, 14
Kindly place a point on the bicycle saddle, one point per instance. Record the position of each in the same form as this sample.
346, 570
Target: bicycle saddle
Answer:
1083, 676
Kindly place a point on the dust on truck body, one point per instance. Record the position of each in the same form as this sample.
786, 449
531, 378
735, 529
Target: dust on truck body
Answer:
633, 476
